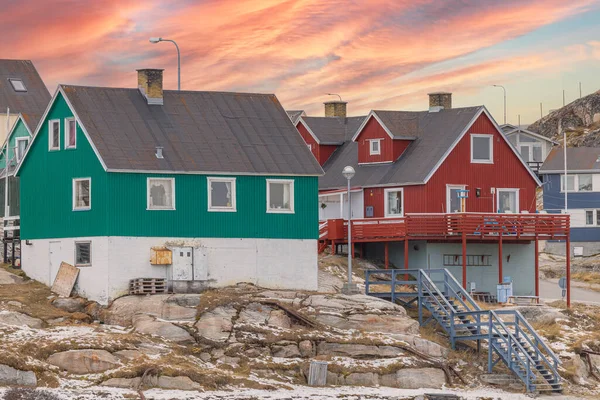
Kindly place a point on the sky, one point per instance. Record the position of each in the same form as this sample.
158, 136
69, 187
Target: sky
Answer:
375, 54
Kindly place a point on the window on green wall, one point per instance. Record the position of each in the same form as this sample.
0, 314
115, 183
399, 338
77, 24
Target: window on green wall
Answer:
21, 147
221, 194
82, 194
161, 194
70, 133
54, 134
280, 196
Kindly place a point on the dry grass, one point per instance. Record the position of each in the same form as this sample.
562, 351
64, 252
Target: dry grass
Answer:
550, 330
433, 333
587, 277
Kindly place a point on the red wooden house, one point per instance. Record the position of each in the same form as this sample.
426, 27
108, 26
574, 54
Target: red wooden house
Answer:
414, 172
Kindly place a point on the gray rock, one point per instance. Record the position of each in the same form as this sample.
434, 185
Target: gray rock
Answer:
206, 357
541, 315
357, 350
216, 325
19, 319
185, 300
177, 383
391, 324
125, 383
334, 379
424, 346
70, 304
127, 355
55, 321
418, 378
149, 325
279, 319
595, 360
84, 361
255, 314
231, 361
163, 382
163, 306
389, 380
217, 353
362, 379
287, 351
14, 303
14, 377
307, 349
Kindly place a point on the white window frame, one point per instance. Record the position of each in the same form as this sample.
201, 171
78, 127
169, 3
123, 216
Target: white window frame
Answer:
233, 207
386, 204
491, 138
516, 191
155, 208
575, 183
75, 208
449, 188
593, 211
12, 83
373, 152
278, 210
50, 134
66, 128
75, 253
18, 156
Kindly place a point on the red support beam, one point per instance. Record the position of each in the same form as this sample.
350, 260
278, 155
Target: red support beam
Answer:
568, 258
352, 250
464, 260
333, 247
406, 253
500, 274
537, 269
360, 250
387, 255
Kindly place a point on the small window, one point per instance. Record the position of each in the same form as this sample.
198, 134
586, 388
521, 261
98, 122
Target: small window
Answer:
221, 194
21, 147
589, 217
374, 147
482, 149
70, 133
393, 202
570, 183
54, 134
17, 85
280, 196
83, 254
585, 182
161, 194
597, 217
309, 146
82, 194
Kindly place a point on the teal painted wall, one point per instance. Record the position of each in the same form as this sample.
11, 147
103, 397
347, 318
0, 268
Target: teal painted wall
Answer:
119, 199
19, 130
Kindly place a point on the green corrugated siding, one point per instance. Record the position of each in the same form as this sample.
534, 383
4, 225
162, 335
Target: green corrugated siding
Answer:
119, 200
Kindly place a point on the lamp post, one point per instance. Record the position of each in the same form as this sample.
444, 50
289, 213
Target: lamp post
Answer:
349, 287
504, 89
159, 39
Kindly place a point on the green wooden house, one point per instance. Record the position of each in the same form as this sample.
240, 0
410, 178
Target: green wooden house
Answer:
199, 188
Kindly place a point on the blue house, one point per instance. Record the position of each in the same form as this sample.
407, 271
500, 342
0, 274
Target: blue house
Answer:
582, 192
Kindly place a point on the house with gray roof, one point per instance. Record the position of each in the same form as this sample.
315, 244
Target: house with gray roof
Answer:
197, 188
533, 147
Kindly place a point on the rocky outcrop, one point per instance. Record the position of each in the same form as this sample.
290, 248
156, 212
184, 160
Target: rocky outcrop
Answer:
14, 377
70, 304
164, 306
217, 324
84, 361
19, 319
151, 326
163, 382
407, 378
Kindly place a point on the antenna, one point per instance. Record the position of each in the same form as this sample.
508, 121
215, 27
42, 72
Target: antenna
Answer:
334, 94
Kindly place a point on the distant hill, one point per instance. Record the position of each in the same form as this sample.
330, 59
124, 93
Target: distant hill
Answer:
580, 119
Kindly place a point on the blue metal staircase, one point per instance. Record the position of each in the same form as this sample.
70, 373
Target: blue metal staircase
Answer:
509, 337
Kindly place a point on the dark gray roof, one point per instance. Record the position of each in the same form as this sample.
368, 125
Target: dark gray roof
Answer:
295, 115
578, 159
333, 130
31, 103
199, 131
435, 133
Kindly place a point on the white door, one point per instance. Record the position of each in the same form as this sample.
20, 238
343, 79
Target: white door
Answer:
452, 199
183, 263
55, 260
508, 200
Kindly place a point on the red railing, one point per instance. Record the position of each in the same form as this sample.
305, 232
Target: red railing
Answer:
526, 226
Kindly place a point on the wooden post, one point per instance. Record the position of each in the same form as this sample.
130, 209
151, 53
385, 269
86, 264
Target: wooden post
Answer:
333, 247
537, 269
568, 258
387, 255
406, 257
500, 274
464, 260
352, 249
360, 250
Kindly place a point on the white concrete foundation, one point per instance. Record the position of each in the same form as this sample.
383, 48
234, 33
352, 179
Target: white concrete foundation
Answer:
272, 263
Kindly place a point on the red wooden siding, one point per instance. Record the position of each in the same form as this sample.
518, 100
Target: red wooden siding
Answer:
321, 152
399, 147
376, 197
373, 130
506, 172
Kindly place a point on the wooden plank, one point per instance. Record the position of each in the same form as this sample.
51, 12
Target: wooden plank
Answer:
65, 279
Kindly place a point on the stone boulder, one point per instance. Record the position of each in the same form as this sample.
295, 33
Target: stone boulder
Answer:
255, 314
127, 355
279, 319
163, 306
217, 324
14, 377
540, 314
285, 351
19, 319
70, 304
394, 324
362, 379
423, 345
84, 361
418, 378
357, 350
149, 325
306, 348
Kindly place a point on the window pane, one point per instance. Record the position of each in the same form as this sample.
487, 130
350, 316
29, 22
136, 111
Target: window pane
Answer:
82, 194
537, 153
394, 200
481, 148
598, 217
525, 153
570, 183
220, 194
55, 134
375, 146
71, 133
18, 85
83, 253
507, 201
279, 196
589, 217
21, 147
161, 193
585, 183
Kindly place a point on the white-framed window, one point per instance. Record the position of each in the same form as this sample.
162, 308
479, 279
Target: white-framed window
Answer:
17, 84
507, 200
577, 183
54, 134
592, 217
221, 194
70, 133
374, 147
482, 148
82, 194
161, 194
280, 196
394, 202
21, 146
83, 254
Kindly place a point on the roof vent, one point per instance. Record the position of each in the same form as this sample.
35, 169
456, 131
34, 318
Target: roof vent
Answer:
159, 152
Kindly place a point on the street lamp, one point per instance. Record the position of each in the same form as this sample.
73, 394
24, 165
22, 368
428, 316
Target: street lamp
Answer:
159, 39
349, 287
504, 89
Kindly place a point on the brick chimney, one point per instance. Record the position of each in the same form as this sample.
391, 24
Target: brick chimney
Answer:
150, 84
335, 109
439, 101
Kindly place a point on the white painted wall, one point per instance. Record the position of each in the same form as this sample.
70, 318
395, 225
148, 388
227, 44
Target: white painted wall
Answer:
272, 263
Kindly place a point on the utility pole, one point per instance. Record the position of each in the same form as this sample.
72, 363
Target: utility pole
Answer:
541, 113
579, 89
6, 207
519, 121
563, 97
